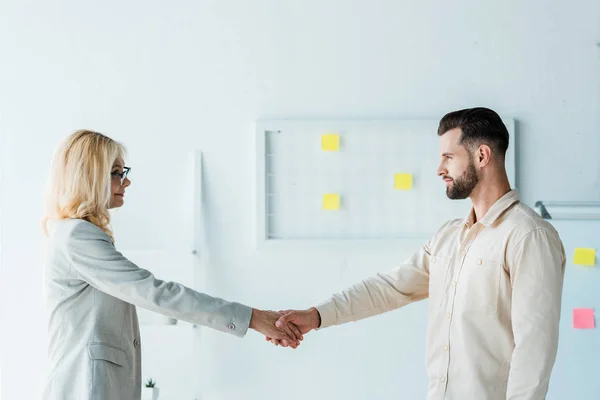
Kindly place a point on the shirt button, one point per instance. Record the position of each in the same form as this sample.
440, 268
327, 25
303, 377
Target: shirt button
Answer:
464, 252
446, 347
136, 343
448, 315
479, 262
433, 259
231, 327
453, 283
443, 379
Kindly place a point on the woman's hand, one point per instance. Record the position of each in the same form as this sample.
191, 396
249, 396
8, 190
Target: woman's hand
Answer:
264, 322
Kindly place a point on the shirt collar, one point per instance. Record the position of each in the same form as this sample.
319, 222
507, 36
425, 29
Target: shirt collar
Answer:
499, 207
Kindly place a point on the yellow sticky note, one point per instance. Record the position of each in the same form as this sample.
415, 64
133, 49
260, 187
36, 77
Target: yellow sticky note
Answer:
403, 181
331, 201
330, 142
585, 257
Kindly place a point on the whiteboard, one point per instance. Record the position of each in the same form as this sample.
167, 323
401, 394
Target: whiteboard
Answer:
575, 373
294, 174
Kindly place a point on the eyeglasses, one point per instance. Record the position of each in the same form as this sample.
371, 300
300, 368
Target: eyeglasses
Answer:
121, 175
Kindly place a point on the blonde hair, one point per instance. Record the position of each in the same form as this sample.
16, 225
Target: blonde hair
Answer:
79, 186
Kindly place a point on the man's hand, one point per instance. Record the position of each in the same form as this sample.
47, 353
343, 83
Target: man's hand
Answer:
303, 320
264, 322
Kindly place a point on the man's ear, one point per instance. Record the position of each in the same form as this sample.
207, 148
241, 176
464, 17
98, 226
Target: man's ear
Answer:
483, 155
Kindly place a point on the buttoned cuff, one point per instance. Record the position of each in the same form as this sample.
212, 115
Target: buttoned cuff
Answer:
239, 322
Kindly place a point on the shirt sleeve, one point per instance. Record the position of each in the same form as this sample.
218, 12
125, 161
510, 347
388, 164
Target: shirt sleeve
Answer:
537, 272
406, 283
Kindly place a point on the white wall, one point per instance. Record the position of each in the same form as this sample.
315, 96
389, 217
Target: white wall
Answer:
166, 77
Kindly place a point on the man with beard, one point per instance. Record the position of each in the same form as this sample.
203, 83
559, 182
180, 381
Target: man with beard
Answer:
494, 279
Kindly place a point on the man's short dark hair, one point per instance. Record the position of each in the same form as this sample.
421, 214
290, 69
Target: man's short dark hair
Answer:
479, 126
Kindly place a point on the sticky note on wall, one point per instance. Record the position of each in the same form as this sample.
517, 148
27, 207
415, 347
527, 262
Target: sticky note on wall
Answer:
583, 318
584, 257
330, 142
403, 181
331, 201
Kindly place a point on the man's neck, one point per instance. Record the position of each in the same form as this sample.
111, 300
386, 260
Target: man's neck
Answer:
486, 195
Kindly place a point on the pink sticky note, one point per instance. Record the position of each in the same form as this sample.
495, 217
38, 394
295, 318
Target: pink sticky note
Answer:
583, 318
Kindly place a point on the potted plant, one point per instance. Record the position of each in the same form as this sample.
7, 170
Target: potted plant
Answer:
150, 391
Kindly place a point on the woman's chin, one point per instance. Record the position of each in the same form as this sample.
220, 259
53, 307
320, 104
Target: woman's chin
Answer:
116, 203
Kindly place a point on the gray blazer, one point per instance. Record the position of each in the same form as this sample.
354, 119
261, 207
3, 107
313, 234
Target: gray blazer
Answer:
94, 337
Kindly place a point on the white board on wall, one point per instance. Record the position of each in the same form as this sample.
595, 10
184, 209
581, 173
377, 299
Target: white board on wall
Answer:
359, 165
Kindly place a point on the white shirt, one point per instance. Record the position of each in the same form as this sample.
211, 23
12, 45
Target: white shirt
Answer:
494, 289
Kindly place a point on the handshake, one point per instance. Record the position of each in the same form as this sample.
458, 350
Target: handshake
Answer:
285, 328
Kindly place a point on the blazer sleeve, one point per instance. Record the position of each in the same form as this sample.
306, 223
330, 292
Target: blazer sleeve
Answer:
94, 258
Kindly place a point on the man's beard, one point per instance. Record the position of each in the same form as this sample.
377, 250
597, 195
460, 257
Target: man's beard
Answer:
463, 186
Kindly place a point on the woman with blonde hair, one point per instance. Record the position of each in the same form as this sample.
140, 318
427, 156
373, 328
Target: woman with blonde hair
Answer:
93, 290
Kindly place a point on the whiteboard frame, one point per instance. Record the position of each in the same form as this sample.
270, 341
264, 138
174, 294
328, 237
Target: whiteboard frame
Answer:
269, 125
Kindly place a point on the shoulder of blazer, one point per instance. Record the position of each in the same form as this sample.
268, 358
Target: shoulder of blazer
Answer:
70, 229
